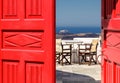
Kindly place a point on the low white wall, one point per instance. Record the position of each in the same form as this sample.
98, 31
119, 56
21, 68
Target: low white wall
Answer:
84, 40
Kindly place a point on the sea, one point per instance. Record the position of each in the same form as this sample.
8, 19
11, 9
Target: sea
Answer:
75, 30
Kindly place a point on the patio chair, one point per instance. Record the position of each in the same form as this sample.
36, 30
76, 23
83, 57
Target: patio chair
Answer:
88, 52
92, 54
66, 53
82, 49
58, 50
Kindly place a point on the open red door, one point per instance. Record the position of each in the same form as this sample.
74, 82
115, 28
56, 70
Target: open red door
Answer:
111, 41
27, 35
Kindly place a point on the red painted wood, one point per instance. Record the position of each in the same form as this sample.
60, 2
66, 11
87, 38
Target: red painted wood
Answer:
111, 41
27, 41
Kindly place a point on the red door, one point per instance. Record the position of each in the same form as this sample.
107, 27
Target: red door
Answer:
27, 41
111, 41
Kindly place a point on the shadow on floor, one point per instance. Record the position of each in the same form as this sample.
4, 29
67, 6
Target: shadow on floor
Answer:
98, 81
66, 77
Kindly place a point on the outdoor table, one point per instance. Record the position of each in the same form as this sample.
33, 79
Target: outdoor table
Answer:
74, 50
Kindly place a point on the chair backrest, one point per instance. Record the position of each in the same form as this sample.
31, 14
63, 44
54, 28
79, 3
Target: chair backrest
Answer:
81, 48
58, 45
94, 45
66, 48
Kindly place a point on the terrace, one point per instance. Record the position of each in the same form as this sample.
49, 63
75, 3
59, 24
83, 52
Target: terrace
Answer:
76, 73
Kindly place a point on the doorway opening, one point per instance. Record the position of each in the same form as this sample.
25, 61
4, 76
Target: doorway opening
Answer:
78, 21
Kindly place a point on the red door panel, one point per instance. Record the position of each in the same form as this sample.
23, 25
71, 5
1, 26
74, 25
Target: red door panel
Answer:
111, 41
36, 6
10, 71
27, 32
34, 72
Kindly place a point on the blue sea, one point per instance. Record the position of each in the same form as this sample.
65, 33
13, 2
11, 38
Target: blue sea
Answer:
79, 29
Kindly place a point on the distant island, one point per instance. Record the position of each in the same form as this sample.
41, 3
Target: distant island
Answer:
74, 30
65, 34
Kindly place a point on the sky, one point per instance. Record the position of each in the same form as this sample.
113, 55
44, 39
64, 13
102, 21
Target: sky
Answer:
78, 13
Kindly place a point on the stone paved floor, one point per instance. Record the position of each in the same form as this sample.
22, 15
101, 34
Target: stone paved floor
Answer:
78, 73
